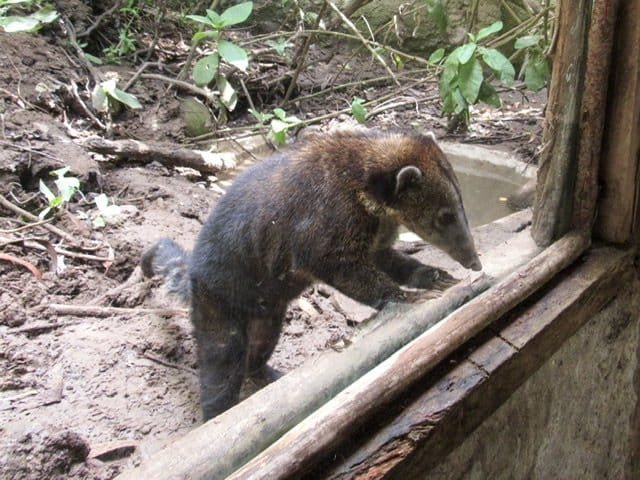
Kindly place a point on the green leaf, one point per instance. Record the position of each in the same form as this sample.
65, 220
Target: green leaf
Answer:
279, 126
436, 11
470, 79
436, 56
449, 74
46, 191
200, 19
123, 97
45, 15
499, 64
465, 52
92, 58
228, 95
490, 30
460, 103
99, 99
236, 14
207, 34
489, 95
214, 18
261, 117
527, 41
234, 55
536, 73
280, 45
13, 24
67, 186
358, 110
205, 69
280, 113
59, 172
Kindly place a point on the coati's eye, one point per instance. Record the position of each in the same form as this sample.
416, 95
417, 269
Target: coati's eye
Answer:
446, 218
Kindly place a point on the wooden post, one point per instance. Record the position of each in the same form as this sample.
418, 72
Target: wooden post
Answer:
619, 164
594, 102
558, 166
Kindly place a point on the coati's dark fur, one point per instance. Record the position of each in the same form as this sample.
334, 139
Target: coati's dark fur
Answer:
325, 210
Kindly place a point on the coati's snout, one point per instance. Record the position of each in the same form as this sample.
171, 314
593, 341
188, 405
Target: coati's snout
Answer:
428, 202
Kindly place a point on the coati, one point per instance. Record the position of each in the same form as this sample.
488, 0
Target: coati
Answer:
326, 210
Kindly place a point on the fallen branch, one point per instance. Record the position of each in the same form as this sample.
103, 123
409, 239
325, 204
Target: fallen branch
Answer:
97, 311
135, 277
206, 162
208, 94
353, 28
29, 266
52, 228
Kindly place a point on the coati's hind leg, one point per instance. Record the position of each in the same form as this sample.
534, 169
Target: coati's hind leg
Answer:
410, 272
262, 337
222, 352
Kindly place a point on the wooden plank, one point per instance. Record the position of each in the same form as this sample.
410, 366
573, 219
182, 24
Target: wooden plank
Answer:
557, 168
334, 422
619, 164
592, 118
421, 434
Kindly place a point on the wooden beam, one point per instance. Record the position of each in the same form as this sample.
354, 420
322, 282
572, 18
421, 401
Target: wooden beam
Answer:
593, 108
557, 169
619, 164
418, 434
335, 421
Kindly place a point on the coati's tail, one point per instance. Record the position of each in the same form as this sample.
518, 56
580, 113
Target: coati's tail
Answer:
169, 260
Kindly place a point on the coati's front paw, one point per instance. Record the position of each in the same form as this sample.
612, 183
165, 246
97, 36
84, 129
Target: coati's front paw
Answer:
432, 278
420, 296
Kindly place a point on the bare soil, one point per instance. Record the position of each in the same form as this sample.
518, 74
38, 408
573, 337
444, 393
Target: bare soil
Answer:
83, 396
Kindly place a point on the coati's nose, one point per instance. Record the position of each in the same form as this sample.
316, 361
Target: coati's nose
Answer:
473, 264
476, 265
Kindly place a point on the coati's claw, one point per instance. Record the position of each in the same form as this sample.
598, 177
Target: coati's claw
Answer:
421, 296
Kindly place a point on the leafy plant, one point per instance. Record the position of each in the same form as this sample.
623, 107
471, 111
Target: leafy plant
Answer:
11, 22
463, 83
107, 97
206, 69
66, 186
105, 211
358, 110
535, 68
280, 123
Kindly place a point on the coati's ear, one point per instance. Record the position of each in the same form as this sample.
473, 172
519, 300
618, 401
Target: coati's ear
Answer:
406, 177
386, 186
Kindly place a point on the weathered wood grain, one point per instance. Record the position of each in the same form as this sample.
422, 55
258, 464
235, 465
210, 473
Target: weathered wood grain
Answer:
619, 164
451, 406
334, 422
557, 164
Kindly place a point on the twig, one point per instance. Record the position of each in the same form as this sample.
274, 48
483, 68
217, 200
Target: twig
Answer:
39, 327
301, 56
166, 363
29, 266
52, 228
99, 19
73, 89
136, 75
246, 94
135, 277
97, 311
207, 162
206, 93
364, 41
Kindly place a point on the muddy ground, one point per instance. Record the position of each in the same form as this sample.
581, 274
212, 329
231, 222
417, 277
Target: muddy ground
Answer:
84, 395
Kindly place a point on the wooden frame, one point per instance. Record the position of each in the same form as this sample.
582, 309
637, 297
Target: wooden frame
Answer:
566, 205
